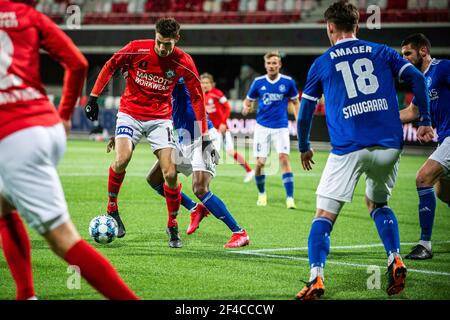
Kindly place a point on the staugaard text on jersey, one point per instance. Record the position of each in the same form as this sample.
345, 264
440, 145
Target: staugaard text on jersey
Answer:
364, 107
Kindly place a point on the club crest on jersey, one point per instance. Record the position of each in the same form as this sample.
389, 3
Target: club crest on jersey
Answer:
143, 65
169, 74
282, 88
429, 81
124, 130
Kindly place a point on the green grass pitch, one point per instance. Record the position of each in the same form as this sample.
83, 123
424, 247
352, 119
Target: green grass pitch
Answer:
203, 269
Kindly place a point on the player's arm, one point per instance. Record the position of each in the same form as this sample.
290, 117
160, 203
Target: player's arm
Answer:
409, 114
247, 106
412, 76
119, 60
295, 105
193, 84
250, 100
416, 80
304, 124
62, 49
226, 112
294, 102
310, 96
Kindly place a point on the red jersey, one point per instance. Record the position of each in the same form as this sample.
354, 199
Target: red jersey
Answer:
151, 80
23, 100
217, 106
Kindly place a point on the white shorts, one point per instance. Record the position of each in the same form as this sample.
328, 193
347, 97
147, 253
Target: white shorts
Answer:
341, 174
28, 176
442, 155
189, 158
159, 133
263, 137
220, 140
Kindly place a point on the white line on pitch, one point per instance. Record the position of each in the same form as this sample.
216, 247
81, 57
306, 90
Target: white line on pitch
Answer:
358, 246
335, 262
63, 172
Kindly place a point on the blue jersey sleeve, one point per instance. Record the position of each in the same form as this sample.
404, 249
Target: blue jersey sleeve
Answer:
397, 63
416, 80
253, 92
304, 123
292, 92
313, 88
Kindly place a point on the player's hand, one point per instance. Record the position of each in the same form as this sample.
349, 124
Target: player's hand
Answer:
91, 109
245, 110
67, 126
111, 144
222, 128
124, 71
307, 161
425, 134
209, 152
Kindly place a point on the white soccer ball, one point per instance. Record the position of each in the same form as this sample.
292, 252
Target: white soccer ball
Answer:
103, 229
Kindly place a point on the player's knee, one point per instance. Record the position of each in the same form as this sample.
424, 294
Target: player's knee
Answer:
260, 164
199, 189
170, 175
283, 158
62, 238
423, 180
120, 163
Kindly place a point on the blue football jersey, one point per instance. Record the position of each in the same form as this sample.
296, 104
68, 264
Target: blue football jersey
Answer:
183, 115
273, 100
361, 107
437, 77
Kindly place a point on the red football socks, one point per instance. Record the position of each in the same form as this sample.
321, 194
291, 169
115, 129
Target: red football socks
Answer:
173, 200
99, 272
240, 159
114, 183
17, 251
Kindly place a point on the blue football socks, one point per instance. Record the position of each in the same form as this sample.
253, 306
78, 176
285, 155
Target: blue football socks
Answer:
288, 181
387, 227
319, 242
219, 210
260, 183
427, 208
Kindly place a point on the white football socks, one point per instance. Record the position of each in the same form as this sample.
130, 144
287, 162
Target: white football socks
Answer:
426, 244
316, 272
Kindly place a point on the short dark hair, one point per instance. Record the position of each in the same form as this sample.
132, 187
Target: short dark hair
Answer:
168, 27
343, 14
417, 41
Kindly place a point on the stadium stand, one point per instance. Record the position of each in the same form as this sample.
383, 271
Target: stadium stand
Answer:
237, 11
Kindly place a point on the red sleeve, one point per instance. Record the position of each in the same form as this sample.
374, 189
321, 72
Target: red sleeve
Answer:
192, 80
225, 105
118, 60
61, 48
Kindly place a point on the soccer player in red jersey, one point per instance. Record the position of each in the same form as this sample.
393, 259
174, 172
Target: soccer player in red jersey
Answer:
219, 110
32, 141
153, 68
